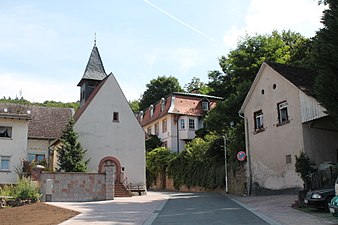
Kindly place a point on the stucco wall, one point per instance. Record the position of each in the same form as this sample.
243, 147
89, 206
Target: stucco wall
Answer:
15, 148
270, 147
320, 143
38, 146
102, 137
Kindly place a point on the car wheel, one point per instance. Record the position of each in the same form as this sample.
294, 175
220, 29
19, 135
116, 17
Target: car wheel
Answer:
326, 204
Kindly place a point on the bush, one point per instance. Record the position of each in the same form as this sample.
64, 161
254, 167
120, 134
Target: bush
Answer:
25, 189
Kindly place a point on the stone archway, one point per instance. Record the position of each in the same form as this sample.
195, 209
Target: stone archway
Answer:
115, 162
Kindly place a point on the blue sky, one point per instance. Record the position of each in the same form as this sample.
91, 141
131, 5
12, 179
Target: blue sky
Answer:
45, 45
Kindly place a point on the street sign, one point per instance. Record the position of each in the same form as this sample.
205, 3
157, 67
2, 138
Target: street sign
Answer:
241, 156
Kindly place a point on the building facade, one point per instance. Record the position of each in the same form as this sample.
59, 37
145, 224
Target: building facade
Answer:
176, 118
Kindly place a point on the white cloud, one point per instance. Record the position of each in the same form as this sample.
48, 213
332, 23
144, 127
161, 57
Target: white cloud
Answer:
37, 90
264, 16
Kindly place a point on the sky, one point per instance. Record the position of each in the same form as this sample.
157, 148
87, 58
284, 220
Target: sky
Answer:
45, 45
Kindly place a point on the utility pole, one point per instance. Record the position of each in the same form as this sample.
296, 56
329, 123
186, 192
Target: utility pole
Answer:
225, 164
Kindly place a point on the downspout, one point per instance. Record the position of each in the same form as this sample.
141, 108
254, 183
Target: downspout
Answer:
178, 136
247, 146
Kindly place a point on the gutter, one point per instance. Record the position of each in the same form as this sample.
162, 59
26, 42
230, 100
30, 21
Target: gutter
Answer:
247, 147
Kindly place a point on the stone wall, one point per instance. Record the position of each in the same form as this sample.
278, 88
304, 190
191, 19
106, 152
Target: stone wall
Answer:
78, 187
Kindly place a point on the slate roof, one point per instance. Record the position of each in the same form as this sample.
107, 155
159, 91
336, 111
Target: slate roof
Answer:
301, 77
94, 69
178, 103
48, 122
15, 111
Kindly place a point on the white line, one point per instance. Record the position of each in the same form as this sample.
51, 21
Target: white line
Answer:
180, 21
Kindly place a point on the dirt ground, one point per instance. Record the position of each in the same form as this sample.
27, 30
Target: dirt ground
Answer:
35, 214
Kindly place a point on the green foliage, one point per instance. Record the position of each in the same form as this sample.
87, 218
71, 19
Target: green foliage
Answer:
71, 154
303, 165
153, 142
197, 85
74, 105
200, 164
326, 58
24, 189
158, 160
159, 88
134, 105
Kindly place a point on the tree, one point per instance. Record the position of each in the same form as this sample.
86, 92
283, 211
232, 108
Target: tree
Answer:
153, 142
134, 105
71, 154
197, 85
159, 88
326, 58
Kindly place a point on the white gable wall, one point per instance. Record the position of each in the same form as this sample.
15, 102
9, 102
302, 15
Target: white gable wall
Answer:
102, 137
270, 147
15, 148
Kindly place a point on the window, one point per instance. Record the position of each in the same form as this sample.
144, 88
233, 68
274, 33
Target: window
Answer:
149, 130
5, 132
192, 124
165, 144
205, 106
182, 124
4, 164
157, 128
288, 159
141, 116
162, 104
283, 116
164, 125
258, 120
151, 108
36, 157
116, 118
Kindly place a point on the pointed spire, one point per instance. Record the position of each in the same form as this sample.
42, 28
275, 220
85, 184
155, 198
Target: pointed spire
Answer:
94, 69
95, 39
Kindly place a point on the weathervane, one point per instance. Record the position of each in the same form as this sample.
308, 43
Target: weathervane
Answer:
95, 39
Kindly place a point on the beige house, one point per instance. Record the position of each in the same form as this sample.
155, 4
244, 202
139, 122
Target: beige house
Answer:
14, 119
107, 127
283, 119
176, 118
44, 129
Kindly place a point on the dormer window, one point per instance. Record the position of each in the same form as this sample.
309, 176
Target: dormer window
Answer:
205, 105
151, 109
141, 116
162, 104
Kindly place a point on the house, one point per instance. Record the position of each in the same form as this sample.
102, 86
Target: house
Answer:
176, 118
107, 127
283, 118
45, 127
26, 133
14, 119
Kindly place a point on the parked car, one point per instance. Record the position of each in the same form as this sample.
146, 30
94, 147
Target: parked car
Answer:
320, 198
333, 205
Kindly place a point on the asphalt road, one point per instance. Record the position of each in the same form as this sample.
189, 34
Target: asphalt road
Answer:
204, 209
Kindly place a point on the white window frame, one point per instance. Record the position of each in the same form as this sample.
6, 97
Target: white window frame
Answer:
8, 130
182, 124
192, 124
205, 105
157, 128
164, 125
283, 114
149, 130
259, 122
5, 158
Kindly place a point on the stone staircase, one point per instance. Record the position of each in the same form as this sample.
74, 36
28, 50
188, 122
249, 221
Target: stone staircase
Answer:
121, 190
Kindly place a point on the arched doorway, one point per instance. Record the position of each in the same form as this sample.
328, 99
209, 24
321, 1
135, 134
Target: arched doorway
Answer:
110, 160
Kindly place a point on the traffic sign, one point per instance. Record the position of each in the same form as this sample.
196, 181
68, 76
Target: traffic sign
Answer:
241, 156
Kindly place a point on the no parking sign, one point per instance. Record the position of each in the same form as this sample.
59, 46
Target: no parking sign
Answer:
241, 156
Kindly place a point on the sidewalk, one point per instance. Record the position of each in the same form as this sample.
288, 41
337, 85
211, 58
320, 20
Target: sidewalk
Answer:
277, 210
137, 210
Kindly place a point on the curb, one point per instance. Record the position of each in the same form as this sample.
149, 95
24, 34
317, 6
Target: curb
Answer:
155, 214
